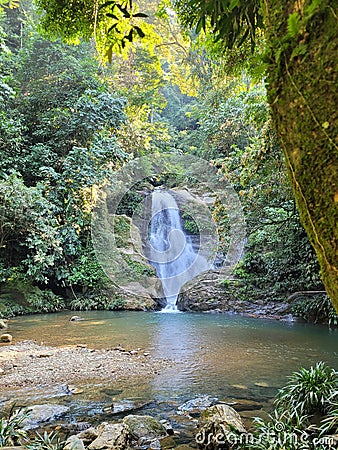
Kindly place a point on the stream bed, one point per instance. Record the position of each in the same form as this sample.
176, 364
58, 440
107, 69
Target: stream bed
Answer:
229, 357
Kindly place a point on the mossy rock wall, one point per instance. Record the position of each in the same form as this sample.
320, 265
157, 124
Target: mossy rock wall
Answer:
302, 92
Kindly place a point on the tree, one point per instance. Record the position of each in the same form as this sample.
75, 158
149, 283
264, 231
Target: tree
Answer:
302, 92
302, 49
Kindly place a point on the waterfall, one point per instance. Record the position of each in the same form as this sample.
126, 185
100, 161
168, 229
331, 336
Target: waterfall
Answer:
170, 250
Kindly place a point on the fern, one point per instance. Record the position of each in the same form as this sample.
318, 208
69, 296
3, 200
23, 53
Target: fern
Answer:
294, 25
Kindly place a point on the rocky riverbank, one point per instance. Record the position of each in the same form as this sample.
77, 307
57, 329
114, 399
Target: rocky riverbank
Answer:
29, 364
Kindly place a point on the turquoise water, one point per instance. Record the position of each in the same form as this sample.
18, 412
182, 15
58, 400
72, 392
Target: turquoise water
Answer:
222, 355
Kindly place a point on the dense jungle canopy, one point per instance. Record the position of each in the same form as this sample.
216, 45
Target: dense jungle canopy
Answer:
249, 86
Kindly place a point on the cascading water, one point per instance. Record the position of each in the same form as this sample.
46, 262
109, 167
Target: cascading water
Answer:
171, 251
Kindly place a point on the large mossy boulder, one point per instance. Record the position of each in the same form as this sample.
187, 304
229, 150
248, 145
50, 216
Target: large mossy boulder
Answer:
144, 430
216, 422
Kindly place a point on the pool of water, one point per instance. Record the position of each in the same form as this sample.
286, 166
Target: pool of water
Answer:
224, 356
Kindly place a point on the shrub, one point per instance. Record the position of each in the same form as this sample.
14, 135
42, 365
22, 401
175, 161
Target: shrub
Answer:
309, 391
318, 309
11, 427
47, 441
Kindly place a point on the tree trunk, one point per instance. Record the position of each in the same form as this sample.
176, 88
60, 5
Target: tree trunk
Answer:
302, 92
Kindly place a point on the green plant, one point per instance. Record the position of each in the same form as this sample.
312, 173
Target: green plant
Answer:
116, 303
11, 427
45, 301
47, 441
317, 310
329, 425
88, 302
309, 391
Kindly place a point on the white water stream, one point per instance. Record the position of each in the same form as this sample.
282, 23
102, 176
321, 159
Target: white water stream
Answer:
171, 250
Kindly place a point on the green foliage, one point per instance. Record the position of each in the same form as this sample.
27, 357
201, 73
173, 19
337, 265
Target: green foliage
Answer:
317, 309
87, 272
90, 301
189, 223
116, 303
11, 432
139, 268
47, 441
231, 21
45, 301
309, 391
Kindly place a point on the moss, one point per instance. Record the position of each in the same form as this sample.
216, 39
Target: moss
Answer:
303, 96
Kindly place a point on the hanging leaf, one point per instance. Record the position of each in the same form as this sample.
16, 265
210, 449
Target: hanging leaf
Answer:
112, 16
107, 4
234, 4
114, 27
139, 31
140, 15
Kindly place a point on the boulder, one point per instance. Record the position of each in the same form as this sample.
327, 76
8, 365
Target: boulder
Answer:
74, 443
76, 319
6, 337
196, 405
112, 436
3, 324
89, 435
144, 430
42, 413
216, 421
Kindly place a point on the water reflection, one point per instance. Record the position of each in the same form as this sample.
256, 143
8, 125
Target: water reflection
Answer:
220, 355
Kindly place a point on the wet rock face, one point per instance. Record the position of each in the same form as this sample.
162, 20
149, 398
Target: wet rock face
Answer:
215, 422
38, 414
207, 293
196, 405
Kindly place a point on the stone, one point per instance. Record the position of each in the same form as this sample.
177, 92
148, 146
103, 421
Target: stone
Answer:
216, 421
112, 436
88, 435
76, 319
42, 413
74, 443
144, 429
196, 405
155, 444
6, 337
3, 324
72, 389
261, 384
168, 442
168, 427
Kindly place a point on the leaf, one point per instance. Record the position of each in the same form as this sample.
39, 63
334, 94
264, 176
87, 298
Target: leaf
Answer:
107, 4
129, 36
112, 16
234, 4
294, 24
200, 24
113, 27
140, 15
123, 10
139, 31
311, 9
